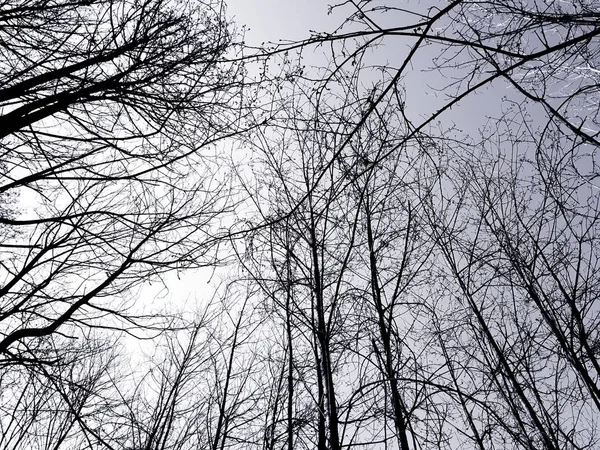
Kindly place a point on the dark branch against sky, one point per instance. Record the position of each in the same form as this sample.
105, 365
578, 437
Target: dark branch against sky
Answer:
368, 224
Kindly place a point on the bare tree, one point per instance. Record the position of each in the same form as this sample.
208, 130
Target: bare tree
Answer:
60, 405
509, 237
524, 263
400, 284
112, 112
338, 268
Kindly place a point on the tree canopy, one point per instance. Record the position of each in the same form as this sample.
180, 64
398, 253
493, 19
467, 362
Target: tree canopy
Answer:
384, 274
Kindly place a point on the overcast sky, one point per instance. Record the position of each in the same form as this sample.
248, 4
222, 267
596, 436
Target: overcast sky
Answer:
286, 20
281, 20
272, 20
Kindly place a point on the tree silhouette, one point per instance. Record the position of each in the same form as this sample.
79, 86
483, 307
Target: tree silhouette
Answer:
397, 282
111, 114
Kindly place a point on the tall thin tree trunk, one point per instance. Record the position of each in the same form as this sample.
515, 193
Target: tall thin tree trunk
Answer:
323, 344
388, 360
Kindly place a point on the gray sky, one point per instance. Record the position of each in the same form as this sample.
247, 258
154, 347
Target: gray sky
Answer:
272, 20
281, 20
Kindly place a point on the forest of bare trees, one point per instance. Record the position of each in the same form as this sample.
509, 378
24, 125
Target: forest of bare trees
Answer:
383, 273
